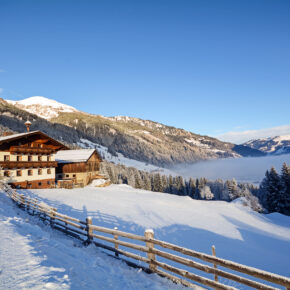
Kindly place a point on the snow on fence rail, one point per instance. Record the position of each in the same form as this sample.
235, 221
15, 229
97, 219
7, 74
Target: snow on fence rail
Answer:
89, 233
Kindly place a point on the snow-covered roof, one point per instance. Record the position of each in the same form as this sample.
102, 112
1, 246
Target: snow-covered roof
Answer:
13, 136
73, 156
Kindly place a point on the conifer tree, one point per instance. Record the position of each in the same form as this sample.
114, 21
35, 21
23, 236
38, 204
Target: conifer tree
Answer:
197, 190
170, 184
271, 188
191, 187
205, 193
157, 185
284, 199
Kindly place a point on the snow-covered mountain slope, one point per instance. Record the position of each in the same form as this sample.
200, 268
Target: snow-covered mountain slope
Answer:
239, 234
271, 145
119, 158
33, 256
43, 107
134, 138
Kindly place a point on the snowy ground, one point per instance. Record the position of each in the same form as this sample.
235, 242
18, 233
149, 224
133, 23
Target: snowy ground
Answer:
239, 234
33, 256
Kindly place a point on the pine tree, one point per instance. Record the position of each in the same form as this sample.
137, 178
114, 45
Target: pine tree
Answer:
157, 183
138, 180
197, 190
232, 188
170, 184
191, 187
284, 199
205, 193
146, 182
271, 188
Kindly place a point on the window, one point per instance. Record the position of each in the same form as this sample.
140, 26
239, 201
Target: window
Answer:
29, 157
6, 157
67, 175
39, 171
7, 173
48, 171
39, 183
74, 175
48, 182
19, 173
39, 158
30, 172
18, 158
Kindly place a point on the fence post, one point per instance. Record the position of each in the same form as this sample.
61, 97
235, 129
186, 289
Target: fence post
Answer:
116, 245
149, 234
52, 215
27, 204
22, 200
214, 265
89, 230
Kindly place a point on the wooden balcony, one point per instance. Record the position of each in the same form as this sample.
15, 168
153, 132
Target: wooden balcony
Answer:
31, 150
27, 164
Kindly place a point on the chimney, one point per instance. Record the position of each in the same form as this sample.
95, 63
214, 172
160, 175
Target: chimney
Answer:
27, 124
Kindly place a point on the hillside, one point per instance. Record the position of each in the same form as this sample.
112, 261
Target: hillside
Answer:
33, 256
273, 145
134, 138
238, 233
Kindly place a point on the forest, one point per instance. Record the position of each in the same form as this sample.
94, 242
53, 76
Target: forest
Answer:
273, 194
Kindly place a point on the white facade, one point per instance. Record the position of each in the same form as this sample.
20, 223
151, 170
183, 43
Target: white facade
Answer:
27, 174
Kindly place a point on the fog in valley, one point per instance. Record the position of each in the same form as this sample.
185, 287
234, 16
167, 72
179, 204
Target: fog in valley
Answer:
242, 169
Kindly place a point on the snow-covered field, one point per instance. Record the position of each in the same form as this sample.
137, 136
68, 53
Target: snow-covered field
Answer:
33, 256
239, 234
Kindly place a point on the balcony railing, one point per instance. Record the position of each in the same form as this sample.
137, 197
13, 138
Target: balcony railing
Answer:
27, 164
19, 149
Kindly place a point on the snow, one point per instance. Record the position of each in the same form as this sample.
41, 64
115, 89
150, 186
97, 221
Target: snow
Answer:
98, 182
205, 146
43, 107
239, 234
271, 144
282, 138
34, 256
44, 102
16, 135
121, 159
80, 155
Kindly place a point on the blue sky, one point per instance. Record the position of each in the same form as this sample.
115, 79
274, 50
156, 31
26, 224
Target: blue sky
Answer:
210, 67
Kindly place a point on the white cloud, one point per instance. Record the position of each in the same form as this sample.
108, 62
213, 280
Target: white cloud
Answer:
239, 137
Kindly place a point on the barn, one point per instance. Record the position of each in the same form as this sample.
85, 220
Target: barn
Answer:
77, 167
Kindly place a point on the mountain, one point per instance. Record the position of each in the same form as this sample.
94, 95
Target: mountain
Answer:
272, 145
134, 138
43, 107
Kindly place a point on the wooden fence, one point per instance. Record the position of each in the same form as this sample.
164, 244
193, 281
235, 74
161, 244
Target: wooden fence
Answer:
89, 233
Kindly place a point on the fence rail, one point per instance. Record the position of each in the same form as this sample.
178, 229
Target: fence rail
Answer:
89, 233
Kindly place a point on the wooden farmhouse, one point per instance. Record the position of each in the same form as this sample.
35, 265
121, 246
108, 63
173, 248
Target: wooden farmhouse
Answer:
27, 160
77, 167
